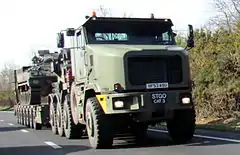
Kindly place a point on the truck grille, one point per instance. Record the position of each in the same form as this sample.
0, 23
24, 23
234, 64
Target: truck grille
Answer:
148, 69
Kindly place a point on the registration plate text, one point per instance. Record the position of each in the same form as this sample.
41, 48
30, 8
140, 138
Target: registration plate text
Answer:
159, 98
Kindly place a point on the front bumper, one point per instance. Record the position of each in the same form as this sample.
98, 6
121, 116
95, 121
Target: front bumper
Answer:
156, 102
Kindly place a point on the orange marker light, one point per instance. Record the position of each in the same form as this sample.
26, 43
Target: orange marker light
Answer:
94, 14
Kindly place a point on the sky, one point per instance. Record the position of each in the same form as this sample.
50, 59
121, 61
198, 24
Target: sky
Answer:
29, 25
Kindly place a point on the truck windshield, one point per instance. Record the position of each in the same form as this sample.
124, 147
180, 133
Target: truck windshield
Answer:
130, 32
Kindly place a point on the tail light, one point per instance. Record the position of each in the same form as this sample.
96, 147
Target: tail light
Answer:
118, 87
68, 75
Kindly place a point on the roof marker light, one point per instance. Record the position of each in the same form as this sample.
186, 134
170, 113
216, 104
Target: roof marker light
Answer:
94, 14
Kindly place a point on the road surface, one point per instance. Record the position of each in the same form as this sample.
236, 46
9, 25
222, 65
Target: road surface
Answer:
16, 139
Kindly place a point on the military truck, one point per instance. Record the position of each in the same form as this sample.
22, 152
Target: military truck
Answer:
128, 73
120, 75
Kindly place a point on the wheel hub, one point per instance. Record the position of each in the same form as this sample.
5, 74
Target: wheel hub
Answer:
89, 125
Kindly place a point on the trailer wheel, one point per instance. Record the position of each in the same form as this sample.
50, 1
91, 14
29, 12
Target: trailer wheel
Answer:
27, 117
31, 118
181, 128
99, 126
18, 117
23, 117
71, 130
53, 119
37, 126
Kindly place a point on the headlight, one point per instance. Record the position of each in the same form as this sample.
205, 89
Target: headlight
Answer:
186, 100
118, 104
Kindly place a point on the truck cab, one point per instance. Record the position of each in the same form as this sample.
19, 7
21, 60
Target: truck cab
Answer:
130, 72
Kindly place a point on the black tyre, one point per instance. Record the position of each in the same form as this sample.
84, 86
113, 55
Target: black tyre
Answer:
59, 119
24, 117
71, 130
182, 127
27, 118
18, 117
139, 131
73, 105
36, 126
31, 118
53, 119
21, 116
99, 126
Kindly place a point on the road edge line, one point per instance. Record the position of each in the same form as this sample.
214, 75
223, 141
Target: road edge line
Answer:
201, 136
53, 145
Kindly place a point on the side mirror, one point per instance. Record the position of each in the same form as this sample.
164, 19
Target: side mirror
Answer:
60, 40
190, 41
174, 34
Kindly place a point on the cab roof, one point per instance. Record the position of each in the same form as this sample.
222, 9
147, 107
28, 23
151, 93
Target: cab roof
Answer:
117, 20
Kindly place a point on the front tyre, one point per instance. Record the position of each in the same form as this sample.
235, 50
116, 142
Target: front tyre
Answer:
182, 126
99, 126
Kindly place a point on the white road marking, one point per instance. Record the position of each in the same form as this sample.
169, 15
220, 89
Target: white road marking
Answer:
201, 136
55, 146
1, 120
10, 124
24, 130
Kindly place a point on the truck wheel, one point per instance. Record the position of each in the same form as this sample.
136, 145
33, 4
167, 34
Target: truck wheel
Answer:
53, 119
73, 105
182, 126
71, 130
59, 119
99, 126
139, 131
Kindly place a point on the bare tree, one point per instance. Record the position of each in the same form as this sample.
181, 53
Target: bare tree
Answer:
6, 76
104, 12
229, 13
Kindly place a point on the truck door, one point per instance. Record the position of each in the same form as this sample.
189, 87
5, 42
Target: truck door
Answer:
80, 68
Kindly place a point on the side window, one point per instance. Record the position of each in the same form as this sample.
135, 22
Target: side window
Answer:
79, 39
166, 37
91, 60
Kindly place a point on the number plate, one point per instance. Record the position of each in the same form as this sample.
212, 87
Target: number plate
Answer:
159, 98
156, 85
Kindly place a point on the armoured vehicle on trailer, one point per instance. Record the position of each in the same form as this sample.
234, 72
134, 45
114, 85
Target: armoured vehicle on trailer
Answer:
119, 75
33, 84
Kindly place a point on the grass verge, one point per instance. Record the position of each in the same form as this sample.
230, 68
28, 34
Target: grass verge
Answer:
224, 125
6, 108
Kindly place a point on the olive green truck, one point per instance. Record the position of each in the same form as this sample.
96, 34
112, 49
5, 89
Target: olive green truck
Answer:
112, 76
